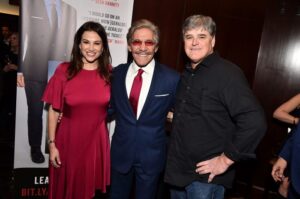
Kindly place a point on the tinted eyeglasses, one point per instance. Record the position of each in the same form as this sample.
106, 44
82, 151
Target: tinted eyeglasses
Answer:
147, 43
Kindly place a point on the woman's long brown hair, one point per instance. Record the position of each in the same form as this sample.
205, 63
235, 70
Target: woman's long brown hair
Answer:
104, 60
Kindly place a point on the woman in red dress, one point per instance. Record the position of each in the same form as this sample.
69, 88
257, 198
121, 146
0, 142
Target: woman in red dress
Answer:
79, 144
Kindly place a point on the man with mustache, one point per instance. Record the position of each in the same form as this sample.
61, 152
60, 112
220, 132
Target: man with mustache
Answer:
143, 93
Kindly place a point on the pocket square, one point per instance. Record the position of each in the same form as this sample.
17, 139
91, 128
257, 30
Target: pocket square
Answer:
162, 95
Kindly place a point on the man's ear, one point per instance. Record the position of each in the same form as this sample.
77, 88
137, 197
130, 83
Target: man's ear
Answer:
156, 48
213, 42
129, 48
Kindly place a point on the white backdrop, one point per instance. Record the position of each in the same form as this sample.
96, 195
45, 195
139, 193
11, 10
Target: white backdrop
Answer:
115, 16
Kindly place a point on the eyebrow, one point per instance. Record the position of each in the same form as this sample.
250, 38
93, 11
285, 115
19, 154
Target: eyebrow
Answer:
201, 34
90, 40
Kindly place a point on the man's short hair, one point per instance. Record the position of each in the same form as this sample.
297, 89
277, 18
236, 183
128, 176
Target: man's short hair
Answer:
199, 21
143, 23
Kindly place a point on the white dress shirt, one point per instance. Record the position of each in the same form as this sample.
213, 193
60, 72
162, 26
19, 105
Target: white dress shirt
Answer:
147, 78
57, 3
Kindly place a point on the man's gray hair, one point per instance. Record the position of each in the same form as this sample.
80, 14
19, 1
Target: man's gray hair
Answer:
143, 23
199, 21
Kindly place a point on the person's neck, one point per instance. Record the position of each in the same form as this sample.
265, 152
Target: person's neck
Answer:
195, 64
90, 66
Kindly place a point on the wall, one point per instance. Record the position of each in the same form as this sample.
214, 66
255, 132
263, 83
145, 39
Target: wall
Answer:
278, 71
6, 8
239, 27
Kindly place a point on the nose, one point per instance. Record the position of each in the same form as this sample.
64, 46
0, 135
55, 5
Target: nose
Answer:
143, 46
91, 46
195, 41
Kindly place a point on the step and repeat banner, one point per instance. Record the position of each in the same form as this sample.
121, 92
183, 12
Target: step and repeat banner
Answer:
47, 31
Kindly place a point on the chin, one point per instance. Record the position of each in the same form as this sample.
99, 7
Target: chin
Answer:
90, 61
142, 64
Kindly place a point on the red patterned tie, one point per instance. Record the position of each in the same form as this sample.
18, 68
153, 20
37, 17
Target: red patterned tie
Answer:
135, 90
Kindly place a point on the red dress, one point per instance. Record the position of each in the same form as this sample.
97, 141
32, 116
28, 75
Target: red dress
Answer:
82, 136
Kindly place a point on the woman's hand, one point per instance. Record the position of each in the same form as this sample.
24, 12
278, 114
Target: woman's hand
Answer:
52, 123
54, 156
278, 169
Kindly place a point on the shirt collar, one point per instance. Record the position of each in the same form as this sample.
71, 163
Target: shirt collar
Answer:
48, 4
147, 69
207, 61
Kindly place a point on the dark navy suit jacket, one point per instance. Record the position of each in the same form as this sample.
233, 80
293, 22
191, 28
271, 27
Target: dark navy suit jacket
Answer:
142, 141
290, 152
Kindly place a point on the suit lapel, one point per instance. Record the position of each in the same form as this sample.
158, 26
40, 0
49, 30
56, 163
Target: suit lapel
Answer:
153, 87
123, 91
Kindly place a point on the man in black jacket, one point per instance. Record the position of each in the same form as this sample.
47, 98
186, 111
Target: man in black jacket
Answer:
217, 120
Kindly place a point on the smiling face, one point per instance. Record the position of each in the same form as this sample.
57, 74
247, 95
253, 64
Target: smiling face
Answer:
198, 44
142, 46
90, 47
